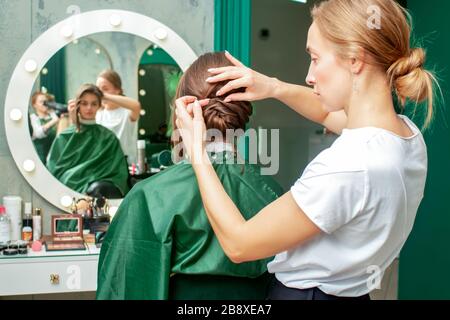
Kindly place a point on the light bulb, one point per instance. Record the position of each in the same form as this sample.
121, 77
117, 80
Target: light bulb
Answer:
29, 165
15, 114
66, 201
115, 20
160, 34
30, 65
66, 31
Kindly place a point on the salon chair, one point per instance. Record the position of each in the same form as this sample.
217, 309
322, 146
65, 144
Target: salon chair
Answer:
217, 287
105, 189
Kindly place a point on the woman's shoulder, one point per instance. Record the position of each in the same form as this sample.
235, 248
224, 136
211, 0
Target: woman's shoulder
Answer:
341, 156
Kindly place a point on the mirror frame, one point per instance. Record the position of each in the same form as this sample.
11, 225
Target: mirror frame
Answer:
34, 59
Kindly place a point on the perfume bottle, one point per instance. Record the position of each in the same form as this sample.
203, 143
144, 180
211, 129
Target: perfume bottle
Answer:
37, 225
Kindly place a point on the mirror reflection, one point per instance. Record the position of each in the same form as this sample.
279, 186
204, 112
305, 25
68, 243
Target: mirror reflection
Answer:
99, 111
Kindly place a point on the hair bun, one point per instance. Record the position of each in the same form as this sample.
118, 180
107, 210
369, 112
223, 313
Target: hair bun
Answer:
408, 64
222, 115
409, 79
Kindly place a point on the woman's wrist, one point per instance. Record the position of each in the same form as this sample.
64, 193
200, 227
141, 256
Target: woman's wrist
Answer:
106, 96
277, 88
201, 159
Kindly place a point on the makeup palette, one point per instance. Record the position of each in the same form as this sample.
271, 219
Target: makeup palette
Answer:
67, 233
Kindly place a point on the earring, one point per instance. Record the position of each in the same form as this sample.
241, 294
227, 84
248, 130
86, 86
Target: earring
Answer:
355, 86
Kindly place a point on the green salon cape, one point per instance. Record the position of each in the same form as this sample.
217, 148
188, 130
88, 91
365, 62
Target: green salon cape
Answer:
78, 159
161, 232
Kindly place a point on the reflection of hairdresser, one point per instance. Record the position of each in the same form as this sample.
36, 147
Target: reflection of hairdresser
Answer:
42, 124
86, 154
160, 244
119, 113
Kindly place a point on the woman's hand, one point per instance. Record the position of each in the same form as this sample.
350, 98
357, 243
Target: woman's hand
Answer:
192, 127
258, 86
125, 102
72, 108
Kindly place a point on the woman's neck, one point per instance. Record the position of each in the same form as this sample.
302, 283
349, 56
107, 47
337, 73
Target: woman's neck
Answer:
371, 105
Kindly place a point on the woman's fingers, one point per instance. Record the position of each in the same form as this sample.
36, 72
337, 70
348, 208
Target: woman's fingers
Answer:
185, 100
197, 111
182, 114
241, 96
233, 60
71, 105
221, 69
202, 103
226, 75
235, 84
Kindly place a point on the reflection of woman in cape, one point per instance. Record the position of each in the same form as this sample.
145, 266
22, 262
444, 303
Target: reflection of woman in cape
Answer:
160, 244
87, 152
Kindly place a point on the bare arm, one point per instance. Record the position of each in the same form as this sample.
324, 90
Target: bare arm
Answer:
301, 99
50, 124
277, 227
128, 103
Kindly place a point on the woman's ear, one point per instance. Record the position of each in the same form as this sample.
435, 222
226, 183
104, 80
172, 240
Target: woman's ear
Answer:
357, 62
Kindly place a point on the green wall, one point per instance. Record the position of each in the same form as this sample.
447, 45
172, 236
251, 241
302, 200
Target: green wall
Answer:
425, 260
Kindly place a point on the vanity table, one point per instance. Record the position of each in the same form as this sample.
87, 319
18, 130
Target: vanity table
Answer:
49, 272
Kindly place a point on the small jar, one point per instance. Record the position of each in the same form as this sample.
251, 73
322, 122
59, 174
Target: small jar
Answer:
13, 245
10, 252
22, 246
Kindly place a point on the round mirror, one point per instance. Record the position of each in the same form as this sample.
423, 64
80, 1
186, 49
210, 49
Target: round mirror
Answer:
51, 72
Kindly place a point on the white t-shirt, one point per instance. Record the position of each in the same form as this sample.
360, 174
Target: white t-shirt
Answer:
363, 193
118, 120
38, 128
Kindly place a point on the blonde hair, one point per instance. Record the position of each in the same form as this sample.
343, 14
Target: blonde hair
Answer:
345, 23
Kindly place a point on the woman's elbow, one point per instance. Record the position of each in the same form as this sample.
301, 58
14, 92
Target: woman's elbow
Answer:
236, 258
237, 255
138, 106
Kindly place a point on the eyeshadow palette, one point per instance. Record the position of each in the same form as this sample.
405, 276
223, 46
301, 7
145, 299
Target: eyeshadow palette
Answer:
67, 233
51, 246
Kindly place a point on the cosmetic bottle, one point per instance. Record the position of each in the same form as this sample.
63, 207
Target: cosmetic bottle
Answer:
5, 227
141, 156
37, 225
27, 223
13, 207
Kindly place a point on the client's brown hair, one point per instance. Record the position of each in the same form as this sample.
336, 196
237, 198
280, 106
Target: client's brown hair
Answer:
218, 114
87, 88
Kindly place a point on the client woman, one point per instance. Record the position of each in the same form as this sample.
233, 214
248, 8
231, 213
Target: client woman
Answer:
86, 155
160, 244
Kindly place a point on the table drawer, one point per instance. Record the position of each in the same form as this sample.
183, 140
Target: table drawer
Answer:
54, 276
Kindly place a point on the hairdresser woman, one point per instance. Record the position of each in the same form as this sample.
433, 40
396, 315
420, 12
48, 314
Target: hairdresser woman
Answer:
354, 206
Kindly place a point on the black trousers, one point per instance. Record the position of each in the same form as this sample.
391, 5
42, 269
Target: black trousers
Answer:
278, 291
